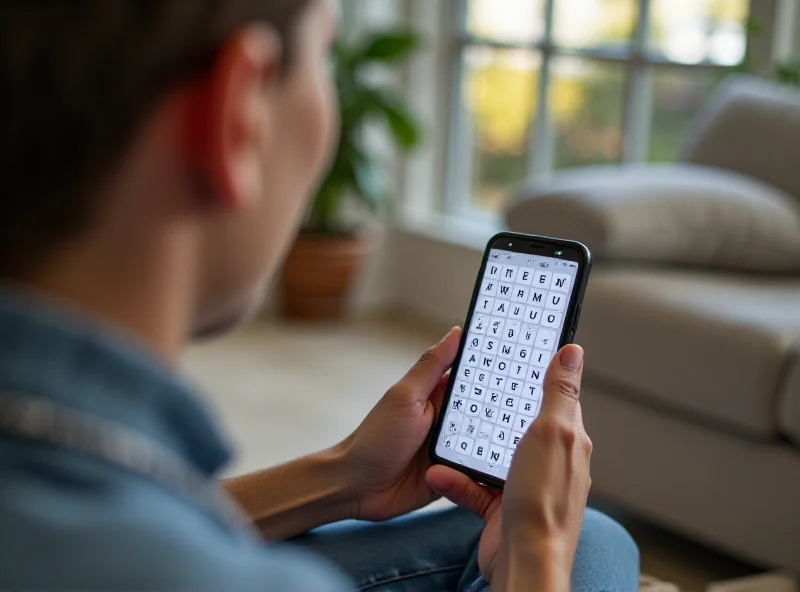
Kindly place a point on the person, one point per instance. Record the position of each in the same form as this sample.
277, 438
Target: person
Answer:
157, 156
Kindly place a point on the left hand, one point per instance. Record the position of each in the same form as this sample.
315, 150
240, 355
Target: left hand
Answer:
386, 458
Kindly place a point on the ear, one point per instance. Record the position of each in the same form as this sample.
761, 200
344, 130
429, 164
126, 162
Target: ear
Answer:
228, 114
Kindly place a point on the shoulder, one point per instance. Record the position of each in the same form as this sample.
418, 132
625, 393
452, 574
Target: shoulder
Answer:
121, 532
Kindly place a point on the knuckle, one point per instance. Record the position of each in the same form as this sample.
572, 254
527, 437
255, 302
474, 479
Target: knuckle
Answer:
553, 431
401, 391
429, 357
567, 387
568, 437
547, 429
588, 446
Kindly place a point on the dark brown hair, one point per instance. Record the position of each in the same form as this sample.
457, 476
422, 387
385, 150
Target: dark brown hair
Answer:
77, 77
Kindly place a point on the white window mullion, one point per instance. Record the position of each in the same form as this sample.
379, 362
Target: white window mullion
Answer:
639, 92
549, 6
542, 143
638, 112
786, 37
462, 141
760, 48
460, 165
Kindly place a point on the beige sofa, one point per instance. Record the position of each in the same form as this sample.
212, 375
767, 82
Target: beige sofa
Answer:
691, 324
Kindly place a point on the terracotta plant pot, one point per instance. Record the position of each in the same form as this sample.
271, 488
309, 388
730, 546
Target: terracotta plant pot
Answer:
319, 274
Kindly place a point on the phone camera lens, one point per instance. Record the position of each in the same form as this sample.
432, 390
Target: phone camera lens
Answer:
510, 244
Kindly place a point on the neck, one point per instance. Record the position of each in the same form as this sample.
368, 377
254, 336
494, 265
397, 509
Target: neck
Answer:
142, 289
135, 269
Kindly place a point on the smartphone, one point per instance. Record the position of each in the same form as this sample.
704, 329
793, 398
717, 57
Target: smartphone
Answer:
526, 305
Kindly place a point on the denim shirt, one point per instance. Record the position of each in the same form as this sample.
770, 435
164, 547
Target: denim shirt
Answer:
69, 521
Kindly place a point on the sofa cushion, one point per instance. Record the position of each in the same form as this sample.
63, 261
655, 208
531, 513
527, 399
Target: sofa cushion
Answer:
750, 126
713, 346
675, 214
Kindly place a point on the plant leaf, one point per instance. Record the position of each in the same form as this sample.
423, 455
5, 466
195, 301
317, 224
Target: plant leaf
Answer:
390, 46
754, 27
366, 182
788, 72
354, 173
322, 215
402, 124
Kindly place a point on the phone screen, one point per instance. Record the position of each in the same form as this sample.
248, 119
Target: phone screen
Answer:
519, 319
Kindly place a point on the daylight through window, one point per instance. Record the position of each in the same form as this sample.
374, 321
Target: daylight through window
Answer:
550, 84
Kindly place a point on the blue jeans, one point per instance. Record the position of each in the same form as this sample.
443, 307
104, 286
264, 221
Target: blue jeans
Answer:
438, 551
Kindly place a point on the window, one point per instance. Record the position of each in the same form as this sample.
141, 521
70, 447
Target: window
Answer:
549, 84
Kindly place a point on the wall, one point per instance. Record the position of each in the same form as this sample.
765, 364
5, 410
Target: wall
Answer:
787, 30
435, 284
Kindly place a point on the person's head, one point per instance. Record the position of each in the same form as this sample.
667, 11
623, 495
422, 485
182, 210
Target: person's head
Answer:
184, 136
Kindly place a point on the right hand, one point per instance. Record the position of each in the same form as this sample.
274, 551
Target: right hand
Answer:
546, 490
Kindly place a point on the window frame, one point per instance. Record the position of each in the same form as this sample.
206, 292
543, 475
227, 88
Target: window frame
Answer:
639, 65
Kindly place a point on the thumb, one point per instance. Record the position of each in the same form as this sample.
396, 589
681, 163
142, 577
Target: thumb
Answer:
562, 382
425, 375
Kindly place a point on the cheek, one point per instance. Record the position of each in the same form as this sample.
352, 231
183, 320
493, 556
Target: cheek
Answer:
319, 112
241, 253
331, 120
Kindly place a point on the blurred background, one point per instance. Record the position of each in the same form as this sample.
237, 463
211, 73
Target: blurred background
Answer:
461, 117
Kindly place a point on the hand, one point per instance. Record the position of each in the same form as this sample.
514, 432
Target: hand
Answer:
387, 457
546, 490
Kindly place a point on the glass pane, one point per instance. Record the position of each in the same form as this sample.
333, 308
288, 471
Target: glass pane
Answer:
594, 23
585, 104
677, 97
693, 31
500, 97
506, 20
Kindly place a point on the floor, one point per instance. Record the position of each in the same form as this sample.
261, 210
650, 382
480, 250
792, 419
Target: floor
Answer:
284, 390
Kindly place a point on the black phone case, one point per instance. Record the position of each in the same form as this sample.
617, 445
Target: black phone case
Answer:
573, 316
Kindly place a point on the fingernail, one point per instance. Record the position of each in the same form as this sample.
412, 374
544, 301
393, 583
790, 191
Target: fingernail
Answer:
572, 357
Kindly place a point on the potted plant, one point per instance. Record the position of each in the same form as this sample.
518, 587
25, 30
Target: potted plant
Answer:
329, 251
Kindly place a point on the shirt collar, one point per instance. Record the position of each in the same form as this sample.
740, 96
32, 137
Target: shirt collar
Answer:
72, 361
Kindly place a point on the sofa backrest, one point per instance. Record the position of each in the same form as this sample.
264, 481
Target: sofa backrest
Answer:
752, 127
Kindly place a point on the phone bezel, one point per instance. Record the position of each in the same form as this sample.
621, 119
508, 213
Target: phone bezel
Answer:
537, 245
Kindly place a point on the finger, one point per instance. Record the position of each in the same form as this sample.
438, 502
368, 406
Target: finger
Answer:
562, 382
427, 372
437, 396
460, 489
436, 399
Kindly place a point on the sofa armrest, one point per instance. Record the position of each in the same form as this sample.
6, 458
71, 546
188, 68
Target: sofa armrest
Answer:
673, 214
